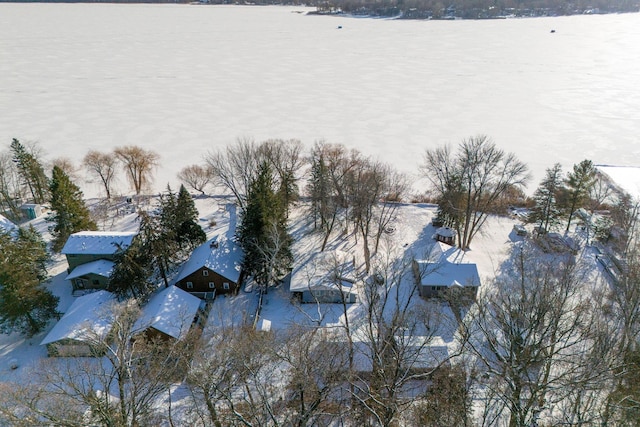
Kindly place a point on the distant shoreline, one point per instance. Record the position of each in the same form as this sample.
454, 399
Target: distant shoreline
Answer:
373, 10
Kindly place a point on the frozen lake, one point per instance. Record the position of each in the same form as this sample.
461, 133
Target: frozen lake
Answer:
183, 80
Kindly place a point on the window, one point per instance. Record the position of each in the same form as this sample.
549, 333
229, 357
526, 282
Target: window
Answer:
189, 285
212, 285
205, 272
95, 281
225, 285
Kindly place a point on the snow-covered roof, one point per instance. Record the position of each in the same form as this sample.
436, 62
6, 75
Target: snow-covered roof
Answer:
7, 226
324, 270
446, 232
170, 311
222, 255
101, 267
97, 242
447, 273
88, 317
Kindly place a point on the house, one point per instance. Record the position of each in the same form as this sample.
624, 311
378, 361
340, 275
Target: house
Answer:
83, 328
435, 279
214, 267
169, 314
327, 277
93, 253
446, 235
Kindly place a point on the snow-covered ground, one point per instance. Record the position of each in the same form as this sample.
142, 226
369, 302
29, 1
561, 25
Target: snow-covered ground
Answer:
412, 237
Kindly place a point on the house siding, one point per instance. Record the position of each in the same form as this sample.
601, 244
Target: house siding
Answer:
88, 281
75, 260
201, 282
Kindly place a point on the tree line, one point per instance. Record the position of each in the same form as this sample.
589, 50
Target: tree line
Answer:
545, 344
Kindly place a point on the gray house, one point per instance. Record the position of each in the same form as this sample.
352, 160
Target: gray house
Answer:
327, 277
91, 256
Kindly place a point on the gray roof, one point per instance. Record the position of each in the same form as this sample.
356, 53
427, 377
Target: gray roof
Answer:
101, 267
170, 311
97, 242
221, 255
89, 317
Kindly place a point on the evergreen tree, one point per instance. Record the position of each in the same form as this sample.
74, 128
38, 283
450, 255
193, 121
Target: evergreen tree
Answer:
262, 233
189, 234
132, 270
31, 171
579, 183
71, 213
546, 213
25, 306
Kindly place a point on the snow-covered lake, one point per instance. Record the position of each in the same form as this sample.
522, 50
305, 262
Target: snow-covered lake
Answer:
184, 79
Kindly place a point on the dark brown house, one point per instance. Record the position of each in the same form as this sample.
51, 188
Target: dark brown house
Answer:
213, 268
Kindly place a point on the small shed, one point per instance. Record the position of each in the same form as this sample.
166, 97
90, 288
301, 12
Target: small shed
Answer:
31, 210
83, 328
446, 235
169, 314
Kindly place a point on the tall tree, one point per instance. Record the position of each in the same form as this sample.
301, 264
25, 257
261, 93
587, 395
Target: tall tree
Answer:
262, 233
580, 182
189, 234
10, 191
101, 166
70, 212
533, 334
30, 170
25, 305
130, 277
138, 165
546, 213
469, 184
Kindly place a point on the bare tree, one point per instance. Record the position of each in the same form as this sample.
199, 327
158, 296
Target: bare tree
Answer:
138, 165
121, 388
103, 167
196, 177
286, 158
66, 165
393, 345
532, 334
235, 168
234, 380
468, 184
10, 189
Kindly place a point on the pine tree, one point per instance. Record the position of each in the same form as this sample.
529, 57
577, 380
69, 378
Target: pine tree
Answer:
132, 270
189, 234
546, 212
263, 234
71, 214
579, 182
25, 306
31, 171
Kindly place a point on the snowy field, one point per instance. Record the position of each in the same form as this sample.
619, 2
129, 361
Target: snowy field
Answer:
183, 80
